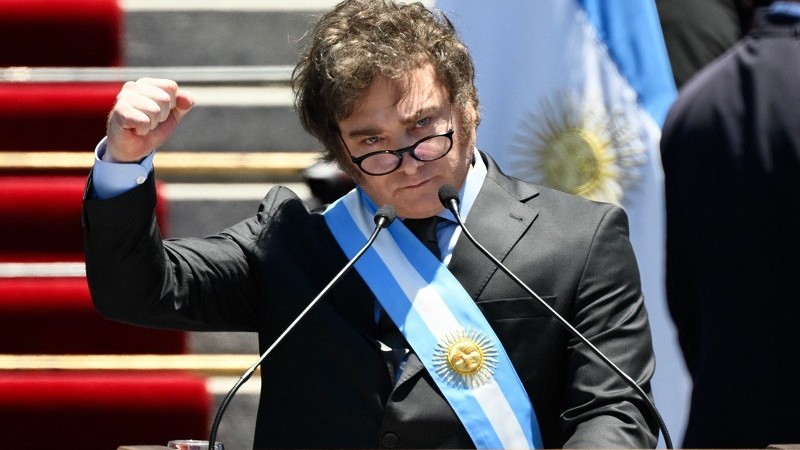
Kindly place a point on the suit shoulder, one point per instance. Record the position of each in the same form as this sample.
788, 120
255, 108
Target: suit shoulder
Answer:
537, 195
283, 211
276, 197
566, 203
561, 208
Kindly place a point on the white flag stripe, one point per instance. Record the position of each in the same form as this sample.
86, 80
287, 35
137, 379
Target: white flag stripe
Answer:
510, 432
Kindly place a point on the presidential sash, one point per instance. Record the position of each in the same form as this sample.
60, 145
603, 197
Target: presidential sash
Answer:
442, 324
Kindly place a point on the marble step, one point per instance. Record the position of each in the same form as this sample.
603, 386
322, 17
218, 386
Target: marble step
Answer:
242, 119
202, 209
213, 32
210, 32
238, 423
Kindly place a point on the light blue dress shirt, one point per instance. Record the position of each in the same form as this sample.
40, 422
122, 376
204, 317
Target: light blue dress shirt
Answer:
112, 179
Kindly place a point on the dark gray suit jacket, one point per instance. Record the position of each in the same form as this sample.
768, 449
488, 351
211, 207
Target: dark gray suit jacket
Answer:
327, 384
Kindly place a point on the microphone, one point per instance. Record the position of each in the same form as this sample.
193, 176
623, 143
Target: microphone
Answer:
449, 199
383, 218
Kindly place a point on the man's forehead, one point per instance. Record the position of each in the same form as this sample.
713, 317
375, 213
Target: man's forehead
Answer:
416, 86
416, 92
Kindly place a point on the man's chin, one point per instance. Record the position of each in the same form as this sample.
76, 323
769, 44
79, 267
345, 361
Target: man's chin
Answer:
418, 211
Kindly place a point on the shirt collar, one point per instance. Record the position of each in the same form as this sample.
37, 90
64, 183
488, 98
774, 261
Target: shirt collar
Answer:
469, 191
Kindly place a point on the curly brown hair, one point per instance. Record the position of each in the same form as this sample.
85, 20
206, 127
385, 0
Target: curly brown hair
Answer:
360, 39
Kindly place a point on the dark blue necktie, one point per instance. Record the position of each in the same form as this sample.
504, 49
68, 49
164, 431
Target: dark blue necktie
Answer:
425, 231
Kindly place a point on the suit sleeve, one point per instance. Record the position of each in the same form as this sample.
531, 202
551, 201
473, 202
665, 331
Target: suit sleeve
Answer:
603, 411
190, 284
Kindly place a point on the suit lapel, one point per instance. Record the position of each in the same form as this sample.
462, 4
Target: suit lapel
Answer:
412, 367
498, 219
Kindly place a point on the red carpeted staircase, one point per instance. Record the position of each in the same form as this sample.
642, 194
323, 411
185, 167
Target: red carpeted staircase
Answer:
40, 217
40, 227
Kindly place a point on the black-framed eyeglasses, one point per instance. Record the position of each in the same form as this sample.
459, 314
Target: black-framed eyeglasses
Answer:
384, 162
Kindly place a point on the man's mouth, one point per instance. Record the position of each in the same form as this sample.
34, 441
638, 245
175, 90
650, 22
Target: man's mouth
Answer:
418, 184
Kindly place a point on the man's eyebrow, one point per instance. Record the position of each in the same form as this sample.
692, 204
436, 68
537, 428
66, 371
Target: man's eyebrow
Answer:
371, 130
366, 131
421, 113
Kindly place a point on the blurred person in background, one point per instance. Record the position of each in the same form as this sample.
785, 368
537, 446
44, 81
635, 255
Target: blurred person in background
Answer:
698, 31
731, 156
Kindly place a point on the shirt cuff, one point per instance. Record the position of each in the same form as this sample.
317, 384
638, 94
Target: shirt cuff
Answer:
112, 179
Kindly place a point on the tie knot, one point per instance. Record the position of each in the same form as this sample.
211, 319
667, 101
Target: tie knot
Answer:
425, 231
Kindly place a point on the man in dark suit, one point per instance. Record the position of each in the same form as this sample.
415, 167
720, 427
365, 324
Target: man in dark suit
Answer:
379, 76
731, 155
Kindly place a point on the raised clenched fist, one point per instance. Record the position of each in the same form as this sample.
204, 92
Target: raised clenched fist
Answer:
145, 114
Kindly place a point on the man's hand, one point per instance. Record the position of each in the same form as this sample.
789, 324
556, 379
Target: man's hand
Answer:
145, 114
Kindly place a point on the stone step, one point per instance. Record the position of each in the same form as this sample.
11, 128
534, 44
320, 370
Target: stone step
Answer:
186, 75
238, 423
202, 209
211, 32
242, 119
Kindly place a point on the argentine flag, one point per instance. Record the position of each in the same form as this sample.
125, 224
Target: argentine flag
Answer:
573, 94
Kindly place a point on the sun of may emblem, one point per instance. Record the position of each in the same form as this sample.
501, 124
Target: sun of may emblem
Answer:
465, 358
581, 148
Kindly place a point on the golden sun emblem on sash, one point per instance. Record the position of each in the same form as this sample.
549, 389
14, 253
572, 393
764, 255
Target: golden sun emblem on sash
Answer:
465, 358
582, 148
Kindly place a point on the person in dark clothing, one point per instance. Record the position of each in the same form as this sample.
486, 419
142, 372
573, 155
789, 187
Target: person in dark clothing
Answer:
731, 157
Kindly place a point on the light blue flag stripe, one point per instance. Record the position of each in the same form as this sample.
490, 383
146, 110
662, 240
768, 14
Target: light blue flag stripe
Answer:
632, 33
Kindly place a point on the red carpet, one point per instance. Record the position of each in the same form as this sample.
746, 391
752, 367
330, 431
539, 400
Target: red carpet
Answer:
56, 316
89, 411
83, 33
46, 116
40, 217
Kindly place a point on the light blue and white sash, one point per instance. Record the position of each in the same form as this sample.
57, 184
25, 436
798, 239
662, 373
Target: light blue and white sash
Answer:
442, 324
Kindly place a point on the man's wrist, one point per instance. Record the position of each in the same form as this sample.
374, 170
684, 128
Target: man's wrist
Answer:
111, 179
102, 153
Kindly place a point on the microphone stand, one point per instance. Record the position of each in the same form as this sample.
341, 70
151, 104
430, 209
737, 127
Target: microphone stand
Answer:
449, 198
383, 218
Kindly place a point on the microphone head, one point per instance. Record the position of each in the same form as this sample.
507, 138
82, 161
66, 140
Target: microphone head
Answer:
385, 216
447, 194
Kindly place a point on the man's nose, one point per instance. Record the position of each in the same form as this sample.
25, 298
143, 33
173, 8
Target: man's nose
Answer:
410, 164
